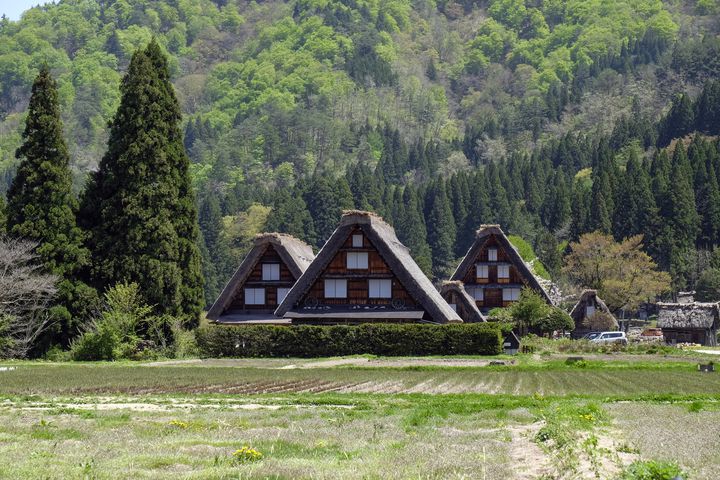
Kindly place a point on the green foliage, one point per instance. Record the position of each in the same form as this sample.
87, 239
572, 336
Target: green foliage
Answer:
529, 311
127, 329
528, 255
651, 470
41, 206
139, 206
708, 286
320, 341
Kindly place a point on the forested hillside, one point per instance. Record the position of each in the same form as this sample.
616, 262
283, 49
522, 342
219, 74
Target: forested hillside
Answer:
549, 117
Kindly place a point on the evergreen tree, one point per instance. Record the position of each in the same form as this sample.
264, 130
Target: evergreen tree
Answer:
290, 215
637, 212
441, 231
412, 232
216, 258
682, 213
139, 206
41, 206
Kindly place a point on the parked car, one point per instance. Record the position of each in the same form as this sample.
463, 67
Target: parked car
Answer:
591, 335
610, 337
652, 335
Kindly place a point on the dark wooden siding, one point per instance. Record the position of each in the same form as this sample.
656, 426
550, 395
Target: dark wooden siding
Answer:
357, 279
254, 280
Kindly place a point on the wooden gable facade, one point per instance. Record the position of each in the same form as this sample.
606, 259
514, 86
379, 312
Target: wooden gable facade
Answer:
358, 270
364, 274
493, 273
262, 281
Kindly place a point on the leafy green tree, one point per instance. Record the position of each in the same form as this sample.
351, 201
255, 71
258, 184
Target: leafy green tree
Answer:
530, 309
41, 206
555, 319
139, 207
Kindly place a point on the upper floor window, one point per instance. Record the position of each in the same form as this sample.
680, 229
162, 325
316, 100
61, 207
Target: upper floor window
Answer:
357, 260
482, 271
271, 271
492, 254
590, 310
503, 271
478, 293
254, 296
511, 294
335, 288
357, 240
380, 288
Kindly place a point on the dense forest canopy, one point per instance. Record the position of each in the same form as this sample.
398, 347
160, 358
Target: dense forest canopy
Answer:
553, 118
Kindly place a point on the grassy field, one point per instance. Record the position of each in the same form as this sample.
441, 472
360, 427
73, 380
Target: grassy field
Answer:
358, 417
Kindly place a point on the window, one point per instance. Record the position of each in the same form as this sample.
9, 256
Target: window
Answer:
503, 271
482, 271
357, 260
281, 294
254, 296
492, 254
590, 311
454, 307
271, 271
380, 288
357, 240
511, 294
478, 293
335, 288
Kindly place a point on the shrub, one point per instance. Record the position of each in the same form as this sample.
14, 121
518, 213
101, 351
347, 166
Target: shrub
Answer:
98, 344
327, 341
651, 470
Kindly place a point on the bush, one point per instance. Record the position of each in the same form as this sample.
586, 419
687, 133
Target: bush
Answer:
652, 470
321, 341
99, 344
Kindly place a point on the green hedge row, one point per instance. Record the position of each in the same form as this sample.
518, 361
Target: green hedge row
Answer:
320, 341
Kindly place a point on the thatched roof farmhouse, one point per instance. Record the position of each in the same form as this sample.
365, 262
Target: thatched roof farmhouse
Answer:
689, 322
455, 294
262, 280
364, 274
493, 272
587, 306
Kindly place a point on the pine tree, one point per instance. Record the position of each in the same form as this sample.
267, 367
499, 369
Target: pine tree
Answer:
139, 206
41, 206
682, 213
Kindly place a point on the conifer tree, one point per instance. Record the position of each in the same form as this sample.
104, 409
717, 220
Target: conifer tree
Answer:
216, 258
441, 231
682, 213
41, 206
290, 215
412, 232
139, 206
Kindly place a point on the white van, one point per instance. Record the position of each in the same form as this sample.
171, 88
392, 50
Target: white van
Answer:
610, 337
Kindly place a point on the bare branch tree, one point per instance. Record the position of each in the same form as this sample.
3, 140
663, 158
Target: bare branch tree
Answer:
26, 292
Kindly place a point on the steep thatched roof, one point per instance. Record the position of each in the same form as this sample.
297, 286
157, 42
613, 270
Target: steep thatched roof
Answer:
295, 253
394, 253
481, 237
468, 303
578, 311
688, 315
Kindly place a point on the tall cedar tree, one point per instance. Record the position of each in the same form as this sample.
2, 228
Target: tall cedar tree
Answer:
41, 206
139, 206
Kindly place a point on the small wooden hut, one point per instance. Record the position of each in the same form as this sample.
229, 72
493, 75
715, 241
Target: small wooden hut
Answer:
587, 306
364, 274
493, 272
464, 305
262, 280
689, 322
